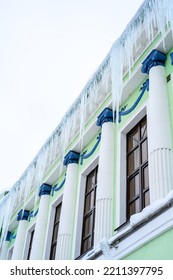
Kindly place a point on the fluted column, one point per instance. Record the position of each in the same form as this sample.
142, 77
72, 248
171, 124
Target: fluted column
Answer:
5, 246
22, 218
159, 128
41, 223
104, 196
65, 232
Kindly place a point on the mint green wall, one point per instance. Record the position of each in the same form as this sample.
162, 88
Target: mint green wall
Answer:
161, 248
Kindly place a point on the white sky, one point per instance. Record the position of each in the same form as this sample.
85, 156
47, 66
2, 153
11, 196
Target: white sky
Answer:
48, 51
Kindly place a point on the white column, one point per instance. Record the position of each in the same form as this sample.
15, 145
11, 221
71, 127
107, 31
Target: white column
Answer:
159, 128
5, 247
22, 218
41, 223
65, 232
104, 195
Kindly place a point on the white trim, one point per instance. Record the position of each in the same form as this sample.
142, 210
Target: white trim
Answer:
143, 235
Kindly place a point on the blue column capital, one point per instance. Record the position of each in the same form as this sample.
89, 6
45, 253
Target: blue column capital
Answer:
105, 116
22, 215
45, 189
8, 236
71, 157
155, 58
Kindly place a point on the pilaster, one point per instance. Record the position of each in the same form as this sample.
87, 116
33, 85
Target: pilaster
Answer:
5, 246
159, 128
104, 196
22, 218
41, 223
64, 242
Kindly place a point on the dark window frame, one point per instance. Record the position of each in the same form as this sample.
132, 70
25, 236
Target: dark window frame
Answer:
138, 171
90, 193
55, 225
30, 244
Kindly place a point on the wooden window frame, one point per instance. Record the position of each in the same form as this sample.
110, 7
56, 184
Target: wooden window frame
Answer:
55, 224
138, 171
91, 212
30, 244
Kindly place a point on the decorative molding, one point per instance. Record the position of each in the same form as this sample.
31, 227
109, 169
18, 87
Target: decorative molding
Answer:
123, 111
22, 215
171, 55
45, 189
56, 188
71, 157
84, 155
10, 236
105, 116
155, 58
32, 214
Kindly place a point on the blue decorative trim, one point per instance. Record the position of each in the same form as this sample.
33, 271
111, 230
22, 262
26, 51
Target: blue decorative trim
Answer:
123, 111
32, 214
22, 215
45, 189
171, 55
105, 116
155, 58
56, 188
13, 236
8, 236
84, 155
71, 157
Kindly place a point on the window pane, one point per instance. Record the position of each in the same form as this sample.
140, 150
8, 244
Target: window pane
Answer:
133, 139
87, 244
145, 177
133, 161
89, 202
57, 214
55, 233
146, 198
144, 152
143, 128
134, 187
134, 207
90, 181
87, 226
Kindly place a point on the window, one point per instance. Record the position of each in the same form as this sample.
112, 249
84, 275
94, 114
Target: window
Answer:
30, 245
137, 169
89, 211
55, 232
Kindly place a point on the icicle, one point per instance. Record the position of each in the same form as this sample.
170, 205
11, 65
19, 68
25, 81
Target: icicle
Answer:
152, 15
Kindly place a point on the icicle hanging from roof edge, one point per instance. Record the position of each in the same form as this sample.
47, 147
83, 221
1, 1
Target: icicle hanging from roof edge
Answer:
116, 65
6, 207
152, 12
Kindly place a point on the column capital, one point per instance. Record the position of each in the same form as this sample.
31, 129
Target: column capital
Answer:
155, 58
22, 215
71, 157
45, 189
8, 236
105, 116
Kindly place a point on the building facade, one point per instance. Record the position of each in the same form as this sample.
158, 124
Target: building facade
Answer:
102, 185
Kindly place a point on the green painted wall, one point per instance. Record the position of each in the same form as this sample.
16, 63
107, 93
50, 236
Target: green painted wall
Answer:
161, 248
